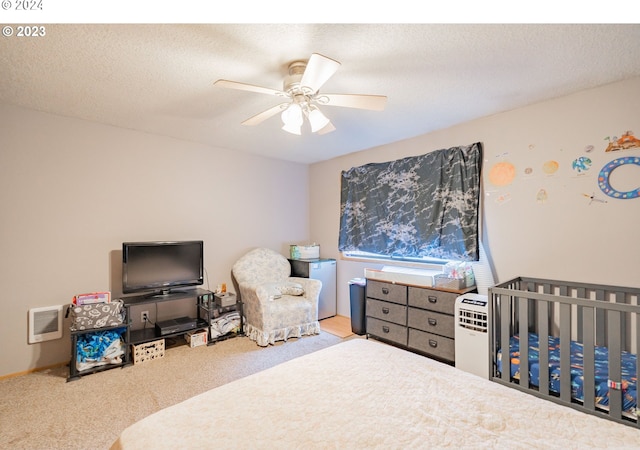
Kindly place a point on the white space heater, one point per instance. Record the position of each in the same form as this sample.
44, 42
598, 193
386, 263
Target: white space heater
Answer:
472, 334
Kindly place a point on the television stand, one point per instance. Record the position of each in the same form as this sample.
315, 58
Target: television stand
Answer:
173, 326
164, 329
207, 310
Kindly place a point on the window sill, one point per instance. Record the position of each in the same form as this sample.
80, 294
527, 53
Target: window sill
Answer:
394, 262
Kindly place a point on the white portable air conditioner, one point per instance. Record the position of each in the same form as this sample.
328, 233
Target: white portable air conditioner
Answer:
472, 334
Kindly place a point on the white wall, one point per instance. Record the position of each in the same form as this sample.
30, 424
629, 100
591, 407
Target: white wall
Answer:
72, 191
563, 238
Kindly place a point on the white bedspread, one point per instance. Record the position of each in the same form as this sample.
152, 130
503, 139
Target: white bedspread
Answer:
366, 394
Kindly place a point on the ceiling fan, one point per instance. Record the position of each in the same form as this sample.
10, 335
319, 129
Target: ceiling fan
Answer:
302, 98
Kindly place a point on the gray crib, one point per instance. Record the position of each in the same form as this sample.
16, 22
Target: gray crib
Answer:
593, 338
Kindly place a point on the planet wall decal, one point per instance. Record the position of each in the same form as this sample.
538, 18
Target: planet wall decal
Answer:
502, 174
550, 167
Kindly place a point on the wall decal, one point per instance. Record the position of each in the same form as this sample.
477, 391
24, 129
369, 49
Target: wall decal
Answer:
541, 196
592, 198
626, 142
581, 164
605, 173
502, 174
589, 148
550, 167
503, 198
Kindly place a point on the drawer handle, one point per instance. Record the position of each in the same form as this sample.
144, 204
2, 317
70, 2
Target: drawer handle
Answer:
385, 310
433, 299
385, 328
385, 290
433, 322
433, 343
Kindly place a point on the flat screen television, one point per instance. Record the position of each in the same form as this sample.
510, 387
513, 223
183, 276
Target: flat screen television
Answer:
161, 267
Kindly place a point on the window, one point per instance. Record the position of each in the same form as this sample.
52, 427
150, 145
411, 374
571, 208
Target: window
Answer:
417, 208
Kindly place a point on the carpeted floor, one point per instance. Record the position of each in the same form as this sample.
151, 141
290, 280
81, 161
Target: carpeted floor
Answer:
44, 411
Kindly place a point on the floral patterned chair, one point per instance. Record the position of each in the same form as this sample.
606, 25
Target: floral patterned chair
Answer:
276, 306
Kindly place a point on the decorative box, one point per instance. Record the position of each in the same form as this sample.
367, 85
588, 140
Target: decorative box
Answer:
456, 284
225, 299
196, 338
148, 351
304, 251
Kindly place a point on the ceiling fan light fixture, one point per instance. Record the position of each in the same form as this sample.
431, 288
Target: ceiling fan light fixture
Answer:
293, 129
301, 88
317, 120
292, 116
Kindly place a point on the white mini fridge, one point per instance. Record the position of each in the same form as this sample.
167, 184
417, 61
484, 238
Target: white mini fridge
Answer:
325, 271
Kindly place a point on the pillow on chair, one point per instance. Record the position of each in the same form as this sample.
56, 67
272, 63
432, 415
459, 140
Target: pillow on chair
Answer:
291, 288
276, 290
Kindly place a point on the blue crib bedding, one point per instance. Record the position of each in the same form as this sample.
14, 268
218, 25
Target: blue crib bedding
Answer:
601, 368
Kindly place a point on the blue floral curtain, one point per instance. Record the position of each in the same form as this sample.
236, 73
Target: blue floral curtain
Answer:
421, 206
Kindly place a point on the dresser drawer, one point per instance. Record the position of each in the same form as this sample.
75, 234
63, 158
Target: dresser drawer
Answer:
432, 344
440, 301
389, 292
387, 330
432, 322
391, 312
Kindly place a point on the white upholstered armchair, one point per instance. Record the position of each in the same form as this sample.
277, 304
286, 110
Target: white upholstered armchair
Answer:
276, 306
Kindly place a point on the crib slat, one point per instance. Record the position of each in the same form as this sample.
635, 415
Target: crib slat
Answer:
565, 352
613, 339
523, 331
505, 328
601, 323
588, 384
543, 359
580, 293
620, 298
636, 323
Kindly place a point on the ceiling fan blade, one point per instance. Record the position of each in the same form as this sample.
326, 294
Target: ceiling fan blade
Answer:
249, 87
319, 70
328, 128
264, 115
372, 102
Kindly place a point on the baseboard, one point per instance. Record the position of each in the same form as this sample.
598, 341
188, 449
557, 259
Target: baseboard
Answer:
37, 369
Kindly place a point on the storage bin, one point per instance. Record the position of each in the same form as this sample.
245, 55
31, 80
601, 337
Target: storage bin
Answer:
96, 315
456, 284
304, 251
225, 299
148, 351
196, 338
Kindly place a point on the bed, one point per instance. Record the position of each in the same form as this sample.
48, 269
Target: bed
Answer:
591, 338
363, 393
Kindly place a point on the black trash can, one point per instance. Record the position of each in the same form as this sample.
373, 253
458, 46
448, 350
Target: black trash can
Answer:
358, 306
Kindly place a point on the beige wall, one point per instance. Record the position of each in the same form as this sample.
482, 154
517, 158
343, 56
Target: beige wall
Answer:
563, 238
72, 191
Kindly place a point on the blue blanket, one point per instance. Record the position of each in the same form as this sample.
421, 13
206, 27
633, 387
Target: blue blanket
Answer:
628, 365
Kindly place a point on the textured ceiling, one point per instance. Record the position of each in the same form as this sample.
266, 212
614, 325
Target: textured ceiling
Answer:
159, 78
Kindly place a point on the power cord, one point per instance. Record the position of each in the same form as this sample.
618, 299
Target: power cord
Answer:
207, 275
146, 319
